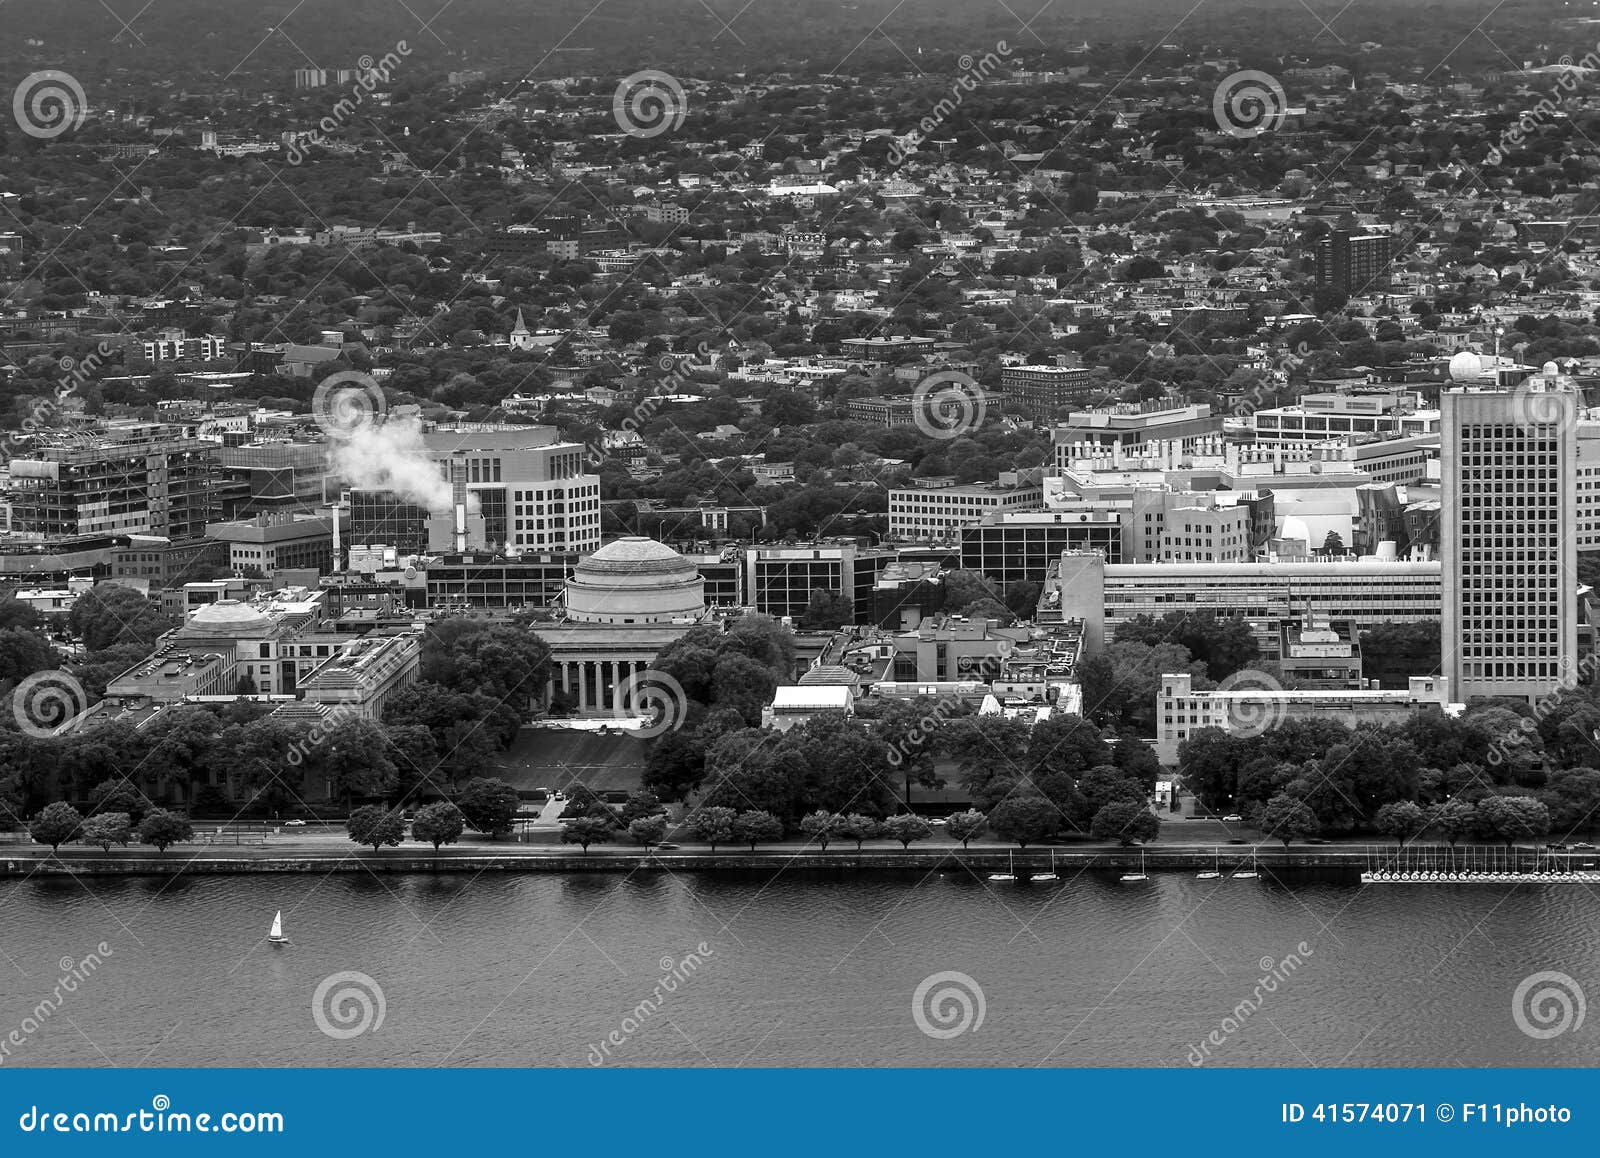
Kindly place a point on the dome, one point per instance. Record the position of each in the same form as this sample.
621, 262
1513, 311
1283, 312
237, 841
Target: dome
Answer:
227, 617
635, 580
1476, 369
635, 555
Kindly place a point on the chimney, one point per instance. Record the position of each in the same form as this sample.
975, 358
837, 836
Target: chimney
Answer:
338, 553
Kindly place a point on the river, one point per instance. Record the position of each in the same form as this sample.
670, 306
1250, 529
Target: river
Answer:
534, 969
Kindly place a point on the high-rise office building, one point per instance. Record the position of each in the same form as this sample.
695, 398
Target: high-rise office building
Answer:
1354, 263
1508, 538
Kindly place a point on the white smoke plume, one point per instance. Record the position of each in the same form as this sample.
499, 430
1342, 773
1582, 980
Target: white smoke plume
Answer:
392, 456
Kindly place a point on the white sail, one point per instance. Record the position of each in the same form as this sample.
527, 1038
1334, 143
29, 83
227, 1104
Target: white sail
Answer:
277, 926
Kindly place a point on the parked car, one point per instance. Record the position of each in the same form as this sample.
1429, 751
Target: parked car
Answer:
1233, 817
295, 823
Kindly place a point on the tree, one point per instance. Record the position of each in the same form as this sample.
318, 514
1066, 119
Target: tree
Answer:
586, 830
821, 826
858, 827
1224, 644
907, 827
438, 823
489, 805
1573, 798
713, 825
1402, 819
640, 805
1024, 819
963, 826
107, 829
911, 730
376, 825
1512, 818
55, 825
757, 824
162, 828
112, 614
354, 756
648, 830
1454, 818
1286, 818
1125, 821
828, 610
118, 796
504, 661
585, 801
1105, 784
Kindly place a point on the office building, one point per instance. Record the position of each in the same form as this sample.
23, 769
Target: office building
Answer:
132, 478
1131, 424
1508, 533
1182, 710
513, 489
277, 541
935, 508
1365, 592
1354, 263
1008, 547
779, 581
1042, 392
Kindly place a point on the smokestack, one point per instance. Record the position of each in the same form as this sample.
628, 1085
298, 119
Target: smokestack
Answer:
461, 528
338, 553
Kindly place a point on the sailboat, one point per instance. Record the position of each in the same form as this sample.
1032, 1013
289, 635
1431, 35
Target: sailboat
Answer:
1214, 873
276, 936
1049, 876
1249, 873
1011, 872
1140, 875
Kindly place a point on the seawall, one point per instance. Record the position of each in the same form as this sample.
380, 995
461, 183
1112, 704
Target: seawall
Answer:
978, 862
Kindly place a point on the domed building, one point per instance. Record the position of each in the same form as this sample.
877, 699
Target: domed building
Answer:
624, 604
225, 621
635, 581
